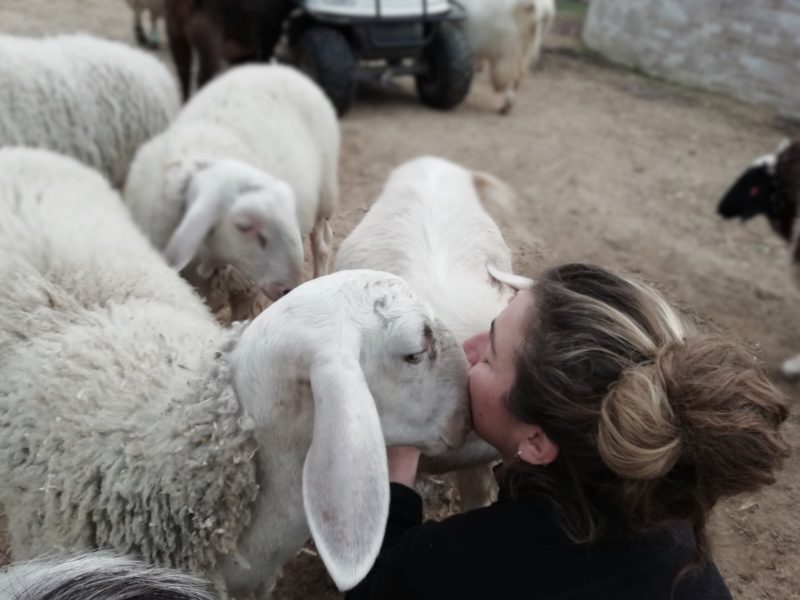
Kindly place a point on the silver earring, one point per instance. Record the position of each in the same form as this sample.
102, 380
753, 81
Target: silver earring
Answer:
518, 456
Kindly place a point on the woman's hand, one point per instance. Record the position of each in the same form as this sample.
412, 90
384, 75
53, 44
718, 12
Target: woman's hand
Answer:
403, 461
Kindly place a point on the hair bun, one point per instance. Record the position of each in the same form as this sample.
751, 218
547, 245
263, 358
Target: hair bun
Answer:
639, 436
704, 402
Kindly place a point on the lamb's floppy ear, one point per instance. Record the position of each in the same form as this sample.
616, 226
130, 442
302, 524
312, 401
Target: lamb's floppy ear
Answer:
493, 191
198, 220
345, 476
517, 282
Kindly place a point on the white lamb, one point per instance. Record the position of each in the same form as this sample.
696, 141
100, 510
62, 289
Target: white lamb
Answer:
247, 168
156, 10
131, 421
508, 34
88, 98
429, 227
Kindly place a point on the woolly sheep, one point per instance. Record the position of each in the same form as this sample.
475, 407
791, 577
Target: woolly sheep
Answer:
508, 35
132, 421
771, 186
96, 576
88, 98
156, 10
429, 227
247, 168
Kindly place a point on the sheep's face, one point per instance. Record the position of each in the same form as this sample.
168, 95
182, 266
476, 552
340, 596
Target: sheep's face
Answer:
757, 191
416, 371
259, 234
751, 194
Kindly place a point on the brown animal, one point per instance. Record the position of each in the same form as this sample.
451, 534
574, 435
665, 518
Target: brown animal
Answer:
230, 31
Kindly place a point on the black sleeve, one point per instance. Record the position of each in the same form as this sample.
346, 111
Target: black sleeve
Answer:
424, 560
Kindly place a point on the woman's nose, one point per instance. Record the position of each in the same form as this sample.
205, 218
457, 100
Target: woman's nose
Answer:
474, 346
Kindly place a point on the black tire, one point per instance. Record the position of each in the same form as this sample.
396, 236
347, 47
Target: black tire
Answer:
450, 68
325, 55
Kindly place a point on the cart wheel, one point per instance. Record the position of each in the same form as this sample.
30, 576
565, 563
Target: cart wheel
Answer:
325, 56
450, 67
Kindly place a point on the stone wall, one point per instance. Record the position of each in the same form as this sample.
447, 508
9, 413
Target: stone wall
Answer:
747, 48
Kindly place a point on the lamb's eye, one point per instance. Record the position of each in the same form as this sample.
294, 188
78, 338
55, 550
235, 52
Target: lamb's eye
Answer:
262, 241
414, 359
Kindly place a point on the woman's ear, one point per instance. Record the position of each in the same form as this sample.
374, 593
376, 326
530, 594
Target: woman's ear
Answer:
536, 447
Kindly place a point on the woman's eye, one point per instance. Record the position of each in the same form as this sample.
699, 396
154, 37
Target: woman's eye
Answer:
262, 241
414, 359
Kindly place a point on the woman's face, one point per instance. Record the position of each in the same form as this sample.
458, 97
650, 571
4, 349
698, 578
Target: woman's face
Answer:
492, 357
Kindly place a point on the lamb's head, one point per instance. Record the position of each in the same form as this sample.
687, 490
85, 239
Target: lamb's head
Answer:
369, 328
241, 216
770, 186
382, 371
414, 367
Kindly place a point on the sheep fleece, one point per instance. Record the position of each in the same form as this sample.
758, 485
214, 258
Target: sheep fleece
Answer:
89, 98
119, 427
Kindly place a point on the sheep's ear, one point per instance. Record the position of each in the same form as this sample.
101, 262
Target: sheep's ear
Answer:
517, 282
345, 476
493, 191
198, 220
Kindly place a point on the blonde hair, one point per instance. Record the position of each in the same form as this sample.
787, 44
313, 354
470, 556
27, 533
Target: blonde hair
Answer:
649, 416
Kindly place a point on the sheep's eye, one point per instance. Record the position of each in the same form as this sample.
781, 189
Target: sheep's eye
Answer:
414, 359
262, 241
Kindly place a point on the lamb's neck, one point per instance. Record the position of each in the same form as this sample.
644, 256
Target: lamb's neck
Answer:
787, 191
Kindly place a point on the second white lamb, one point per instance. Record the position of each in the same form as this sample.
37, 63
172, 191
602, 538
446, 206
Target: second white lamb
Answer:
246, 170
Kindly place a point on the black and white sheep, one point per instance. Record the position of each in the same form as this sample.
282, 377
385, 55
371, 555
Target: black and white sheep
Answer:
771, 187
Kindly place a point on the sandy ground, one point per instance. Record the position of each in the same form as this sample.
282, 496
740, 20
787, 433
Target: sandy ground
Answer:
611, 167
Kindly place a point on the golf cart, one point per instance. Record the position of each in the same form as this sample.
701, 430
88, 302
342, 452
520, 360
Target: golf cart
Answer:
341, 42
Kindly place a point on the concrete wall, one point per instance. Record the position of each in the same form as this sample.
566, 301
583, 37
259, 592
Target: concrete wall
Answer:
747, 48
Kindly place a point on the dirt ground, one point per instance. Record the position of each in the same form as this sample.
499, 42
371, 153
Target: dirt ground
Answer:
610, 167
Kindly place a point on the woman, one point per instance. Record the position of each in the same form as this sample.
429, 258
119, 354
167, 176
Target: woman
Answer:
619, 429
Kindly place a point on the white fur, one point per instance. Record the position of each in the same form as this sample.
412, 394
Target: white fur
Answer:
111, 365
508, 35
429, 226
92, 99
768, 160
256, 150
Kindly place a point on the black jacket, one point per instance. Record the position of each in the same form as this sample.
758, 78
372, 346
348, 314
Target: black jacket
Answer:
516, 549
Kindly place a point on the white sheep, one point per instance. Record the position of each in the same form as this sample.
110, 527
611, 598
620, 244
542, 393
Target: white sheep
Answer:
156, 10
96, 576
131, 421
89, 98
248, 167
429, 227
508, 35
